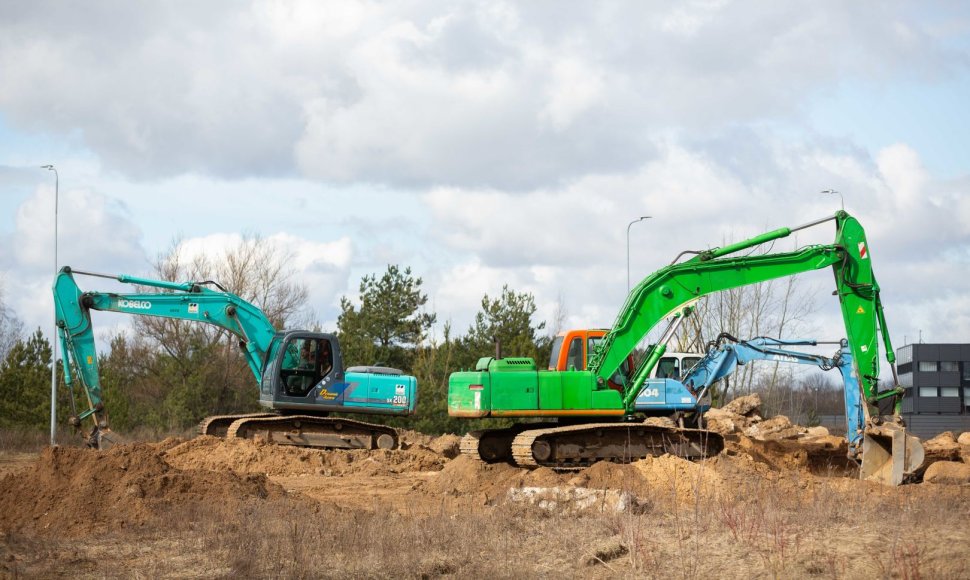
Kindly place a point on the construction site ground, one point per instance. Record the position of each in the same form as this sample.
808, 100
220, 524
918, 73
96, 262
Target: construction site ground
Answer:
210, 508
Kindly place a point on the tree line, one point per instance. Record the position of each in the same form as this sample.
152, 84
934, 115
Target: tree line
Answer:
166, 375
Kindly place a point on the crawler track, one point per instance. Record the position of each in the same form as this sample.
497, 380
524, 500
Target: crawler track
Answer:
312, 431
495, 445
218, 425
578, 446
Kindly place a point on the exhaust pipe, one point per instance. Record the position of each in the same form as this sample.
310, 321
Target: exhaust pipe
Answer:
889, 455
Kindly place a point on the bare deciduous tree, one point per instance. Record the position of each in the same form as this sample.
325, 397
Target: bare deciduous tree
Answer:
778, 308
11, 328
204, 365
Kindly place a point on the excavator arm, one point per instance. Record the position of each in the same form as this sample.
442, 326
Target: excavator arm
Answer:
671, 290
727, 353
889, 454
182, 301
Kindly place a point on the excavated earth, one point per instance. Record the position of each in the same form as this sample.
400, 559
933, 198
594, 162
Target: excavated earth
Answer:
74, 493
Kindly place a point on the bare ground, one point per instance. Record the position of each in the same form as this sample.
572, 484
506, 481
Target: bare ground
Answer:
212, 508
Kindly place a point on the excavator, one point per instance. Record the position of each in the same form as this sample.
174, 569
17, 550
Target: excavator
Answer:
595, 421
300, 374
726, 353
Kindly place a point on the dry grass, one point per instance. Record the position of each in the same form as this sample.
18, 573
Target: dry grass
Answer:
781, 529
754, 523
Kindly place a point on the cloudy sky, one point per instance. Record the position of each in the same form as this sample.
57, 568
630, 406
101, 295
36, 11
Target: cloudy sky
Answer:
489, 143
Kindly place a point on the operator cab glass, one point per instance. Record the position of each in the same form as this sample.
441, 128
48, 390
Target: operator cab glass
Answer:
622, 375
306, 362
554, 356
574, 358
687, 364
266, 382
668, 368
676, 367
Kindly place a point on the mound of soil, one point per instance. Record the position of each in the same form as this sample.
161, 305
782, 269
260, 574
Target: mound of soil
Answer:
71, 491
248, 456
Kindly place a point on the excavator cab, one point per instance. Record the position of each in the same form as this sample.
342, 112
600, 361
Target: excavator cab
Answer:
307, 360
304, 372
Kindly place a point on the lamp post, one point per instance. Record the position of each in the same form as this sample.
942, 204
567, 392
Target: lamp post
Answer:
834, 192
640, 219
54, 337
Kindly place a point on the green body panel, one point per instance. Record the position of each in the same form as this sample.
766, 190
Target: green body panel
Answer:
469, 394
550, 391
576, 389
669, 291
516, 391
524, 391
606, 399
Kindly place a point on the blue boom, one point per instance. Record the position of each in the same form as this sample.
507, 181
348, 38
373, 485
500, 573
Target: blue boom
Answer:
727, 354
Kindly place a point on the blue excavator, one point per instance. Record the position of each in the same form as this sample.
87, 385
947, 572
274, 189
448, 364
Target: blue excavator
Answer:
726, 353
300, 374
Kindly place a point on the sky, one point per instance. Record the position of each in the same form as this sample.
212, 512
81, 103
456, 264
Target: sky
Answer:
486, 143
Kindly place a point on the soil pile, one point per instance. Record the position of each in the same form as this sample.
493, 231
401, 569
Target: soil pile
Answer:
667, 477
743, 415
72, 491
466, 476
253, 456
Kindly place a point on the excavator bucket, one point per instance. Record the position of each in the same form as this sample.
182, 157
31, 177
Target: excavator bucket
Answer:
104, 439
889, 454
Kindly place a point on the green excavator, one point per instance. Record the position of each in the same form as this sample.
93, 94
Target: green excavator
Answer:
594, 414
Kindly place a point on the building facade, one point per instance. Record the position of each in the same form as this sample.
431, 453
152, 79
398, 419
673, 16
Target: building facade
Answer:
937, 382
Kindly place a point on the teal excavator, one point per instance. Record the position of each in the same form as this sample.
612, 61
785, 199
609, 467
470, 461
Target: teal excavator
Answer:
300, 374
598, 414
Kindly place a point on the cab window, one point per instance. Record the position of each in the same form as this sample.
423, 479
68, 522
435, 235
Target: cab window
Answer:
554, 356
574, 359
668, 368
688, 363
306, 361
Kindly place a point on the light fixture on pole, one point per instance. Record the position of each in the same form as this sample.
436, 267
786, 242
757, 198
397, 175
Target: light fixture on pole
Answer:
54, 336
834, 192
640, 219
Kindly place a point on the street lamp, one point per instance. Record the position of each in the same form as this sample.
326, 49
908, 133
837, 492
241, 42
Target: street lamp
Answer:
54, 337
833, 192
640, 219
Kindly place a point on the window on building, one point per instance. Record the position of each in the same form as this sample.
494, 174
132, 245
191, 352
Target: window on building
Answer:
927, 391
904, 355
966, 396
949, 392
966, 371
906, 379
927, 366
949, 367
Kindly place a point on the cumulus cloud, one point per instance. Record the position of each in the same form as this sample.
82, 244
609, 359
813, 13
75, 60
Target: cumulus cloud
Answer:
576, 236
484, 94
323, 267
95, 234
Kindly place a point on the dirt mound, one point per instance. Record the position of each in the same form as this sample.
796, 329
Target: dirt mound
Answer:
824, 455
247, 456
948, 472
71, 491
606, 475
665, 477
447, 445
464, 475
